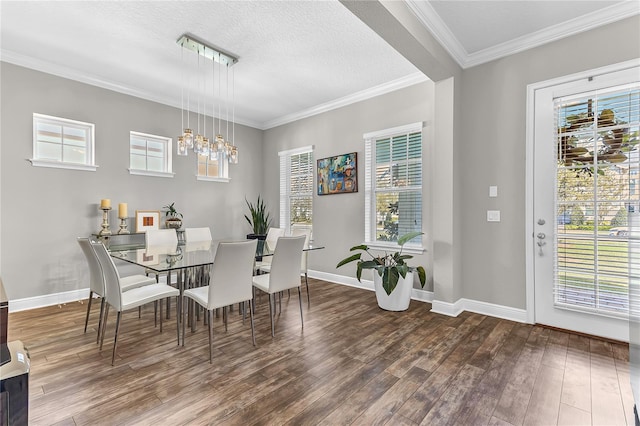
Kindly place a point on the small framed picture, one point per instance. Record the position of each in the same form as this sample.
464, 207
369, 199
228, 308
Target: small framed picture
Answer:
147, 219
338, 174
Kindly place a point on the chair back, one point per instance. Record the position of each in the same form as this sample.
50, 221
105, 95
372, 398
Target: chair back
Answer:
272, 237
112, 294
285, 265
161, 237
194, 235
232, 273
96, 280
307, 233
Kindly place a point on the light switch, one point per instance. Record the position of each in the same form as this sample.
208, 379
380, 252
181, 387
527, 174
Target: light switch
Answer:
493, 215
493, 191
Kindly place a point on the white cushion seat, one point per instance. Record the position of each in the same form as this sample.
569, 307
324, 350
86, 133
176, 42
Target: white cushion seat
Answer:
149, 293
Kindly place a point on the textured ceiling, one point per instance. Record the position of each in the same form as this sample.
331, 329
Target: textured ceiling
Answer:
292, 55
295, 57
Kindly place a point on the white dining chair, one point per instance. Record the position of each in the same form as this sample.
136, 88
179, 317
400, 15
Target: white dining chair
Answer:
230, 282
284, 273
306, 231
271, 241
159, 240
196, 235
122, 300
97, 284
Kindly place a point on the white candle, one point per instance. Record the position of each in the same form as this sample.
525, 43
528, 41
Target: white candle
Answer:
105, 203
122, 210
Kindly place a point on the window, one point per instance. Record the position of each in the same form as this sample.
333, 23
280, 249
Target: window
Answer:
213, 169
393, 185
597, 164
296, 188
149, 155
62, 143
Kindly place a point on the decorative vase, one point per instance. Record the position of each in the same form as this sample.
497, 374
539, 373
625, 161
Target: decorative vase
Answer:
399, 298
173, 223
260, 247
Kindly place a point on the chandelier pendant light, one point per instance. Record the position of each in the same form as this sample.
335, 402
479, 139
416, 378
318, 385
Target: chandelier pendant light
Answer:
216, 147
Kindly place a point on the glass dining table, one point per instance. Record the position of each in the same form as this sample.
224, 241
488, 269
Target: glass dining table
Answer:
189, 261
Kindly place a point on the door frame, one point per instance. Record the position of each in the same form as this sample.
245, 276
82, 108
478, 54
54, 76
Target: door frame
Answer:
530, 252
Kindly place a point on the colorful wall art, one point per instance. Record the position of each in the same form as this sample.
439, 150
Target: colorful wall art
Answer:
337, 175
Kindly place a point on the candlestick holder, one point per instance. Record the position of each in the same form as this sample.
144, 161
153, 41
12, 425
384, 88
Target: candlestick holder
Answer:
123, 226
105, 222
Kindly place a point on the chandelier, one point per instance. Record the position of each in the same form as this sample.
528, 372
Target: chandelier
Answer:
217, 147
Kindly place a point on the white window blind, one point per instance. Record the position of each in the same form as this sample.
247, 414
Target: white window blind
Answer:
393, 185
62, 143
597, 156
296, 188
150, 155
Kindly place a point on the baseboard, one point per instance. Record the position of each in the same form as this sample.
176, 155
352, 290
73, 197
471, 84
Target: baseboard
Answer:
447, 308
416, 294
437, 306
498, 311
48, 300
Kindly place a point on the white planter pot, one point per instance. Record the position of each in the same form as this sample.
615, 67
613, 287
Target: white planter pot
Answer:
399, 298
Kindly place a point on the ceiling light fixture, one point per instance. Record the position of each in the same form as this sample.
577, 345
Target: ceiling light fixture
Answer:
216, 147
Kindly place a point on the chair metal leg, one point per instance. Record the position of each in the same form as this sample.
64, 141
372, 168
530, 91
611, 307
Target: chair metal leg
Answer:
225, 317
155, 313
160, 304
139, 311
271, 313
100, 320
306, 282
115, 338
253, 334
300, 300
86, 320
104, 325
178, 318
210, 314
184, 318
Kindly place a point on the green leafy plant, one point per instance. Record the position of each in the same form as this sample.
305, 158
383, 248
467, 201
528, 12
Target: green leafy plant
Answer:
171, 213
390, 267
259, 220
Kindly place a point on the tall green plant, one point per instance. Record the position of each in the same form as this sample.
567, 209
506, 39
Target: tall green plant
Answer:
260, 220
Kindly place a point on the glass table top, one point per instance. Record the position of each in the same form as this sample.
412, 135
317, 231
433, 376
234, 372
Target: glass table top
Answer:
168, 258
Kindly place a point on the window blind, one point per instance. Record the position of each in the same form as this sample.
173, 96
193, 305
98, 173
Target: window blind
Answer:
393, 185
596, 190
296, 188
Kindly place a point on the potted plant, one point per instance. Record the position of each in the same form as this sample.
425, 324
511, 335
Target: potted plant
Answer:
259, 222
393, 273
173, 219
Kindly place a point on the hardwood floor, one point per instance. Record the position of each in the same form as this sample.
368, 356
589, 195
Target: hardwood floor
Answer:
352, 364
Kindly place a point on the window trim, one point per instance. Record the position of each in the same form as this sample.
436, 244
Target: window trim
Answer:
369, 191
89, 166
285, 214
168, 160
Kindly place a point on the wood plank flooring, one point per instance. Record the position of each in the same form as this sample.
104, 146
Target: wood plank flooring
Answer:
352, 364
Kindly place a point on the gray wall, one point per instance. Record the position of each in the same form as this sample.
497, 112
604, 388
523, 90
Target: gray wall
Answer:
493, 152
338, 220
44, 209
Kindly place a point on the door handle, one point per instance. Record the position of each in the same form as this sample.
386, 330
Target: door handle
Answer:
541, 236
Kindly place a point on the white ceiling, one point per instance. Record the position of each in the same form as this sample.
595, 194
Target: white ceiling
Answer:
296, 58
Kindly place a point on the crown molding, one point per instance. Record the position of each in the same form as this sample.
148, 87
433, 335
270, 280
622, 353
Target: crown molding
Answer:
436, 26
556, 32
75, 75
381, 89
431, 20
